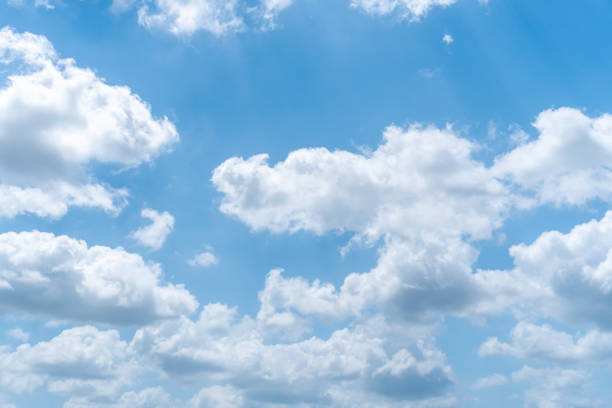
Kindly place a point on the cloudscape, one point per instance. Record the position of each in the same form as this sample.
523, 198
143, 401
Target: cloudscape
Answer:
300, 203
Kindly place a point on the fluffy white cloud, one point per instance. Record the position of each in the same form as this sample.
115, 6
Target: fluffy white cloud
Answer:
569, 162
544, 343
416, 281
409, 9
494, 380
58, 276
447, 39
420, 180
155, 234
224, 349
563, 276
56, 120
204, 259
82, 360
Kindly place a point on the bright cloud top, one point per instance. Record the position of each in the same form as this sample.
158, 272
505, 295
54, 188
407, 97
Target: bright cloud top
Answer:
56, 121
419, 180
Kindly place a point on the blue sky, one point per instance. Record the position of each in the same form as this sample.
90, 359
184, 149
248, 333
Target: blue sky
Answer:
428, 226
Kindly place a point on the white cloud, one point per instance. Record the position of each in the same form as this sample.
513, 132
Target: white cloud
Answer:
79, 360
563, 276
408, 9
544, 343
204, 259
271, 9
185, 17
218, 17
56, 120
569, 163
155, 234
447, 39
424, 195
494, 380
416, 281
419, 180
227, 350
60, 277
19, 334
554, 387
420, 191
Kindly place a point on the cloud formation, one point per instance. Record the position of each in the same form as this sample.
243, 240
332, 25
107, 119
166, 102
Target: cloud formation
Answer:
569, 161
224, 348
79, 360
62, 278
543, 343
57, 120
420, 180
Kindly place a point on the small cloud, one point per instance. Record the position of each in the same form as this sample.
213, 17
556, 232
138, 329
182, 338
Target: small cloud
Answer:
447, 39
494, 380
204, 259
155, 234
19, 334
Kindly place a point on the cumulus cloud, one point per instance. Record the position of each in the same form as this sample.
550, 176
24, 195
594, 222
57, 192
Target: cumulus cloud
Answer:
220, 347
569, 162
60, 277
420, 192
155, 234
423, 194
56, 121
408, 9
79, 360
563, 276
417, 282
204, 259
447, 39
530, 341
419, 180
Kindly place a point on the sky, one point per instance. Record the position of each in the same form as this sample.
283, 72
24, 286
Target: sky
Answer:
300, 203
